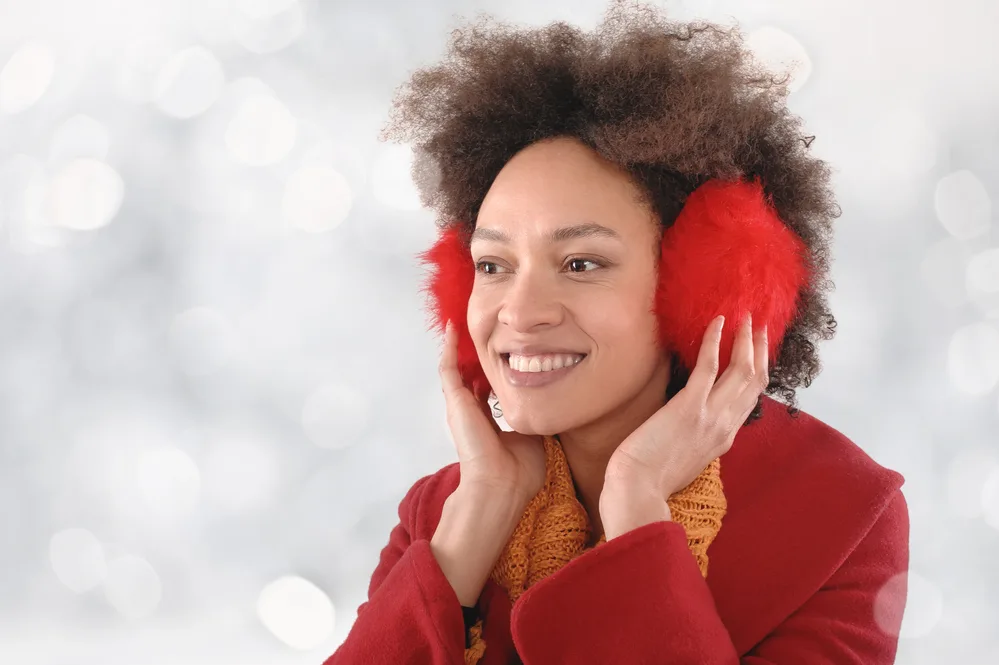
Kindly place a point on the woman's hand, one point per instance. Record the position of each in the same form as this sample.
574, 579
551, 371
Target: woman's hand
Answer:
489, 458
670, 449
500, 473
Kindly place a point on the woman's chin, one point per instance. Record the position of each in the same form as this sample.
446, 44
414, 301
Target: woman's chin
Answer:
534, 424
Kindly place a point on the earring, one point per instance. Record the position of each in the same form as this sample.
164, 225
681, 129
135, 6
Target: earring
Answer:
497, 411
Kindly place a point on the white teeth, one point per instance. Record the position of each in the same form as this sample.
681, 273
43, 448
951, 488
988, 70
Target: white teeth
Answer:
545, 363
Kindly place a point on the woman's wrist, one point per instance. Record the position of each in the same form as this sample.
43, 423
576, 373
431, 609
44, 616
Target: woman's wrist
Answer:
625, 507
474, 528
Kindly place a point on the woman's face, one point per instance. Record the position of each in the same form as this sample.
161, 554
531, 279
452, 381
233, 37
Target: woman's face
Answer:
589, 293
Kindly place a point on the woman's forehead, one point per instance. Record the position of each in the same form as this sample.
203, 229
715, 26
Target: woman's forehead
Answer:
560, 168
552, 186
607, 224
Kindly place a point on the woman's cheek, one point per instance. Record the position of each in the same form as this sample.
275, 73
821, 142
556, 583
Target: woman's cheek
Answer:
480, 329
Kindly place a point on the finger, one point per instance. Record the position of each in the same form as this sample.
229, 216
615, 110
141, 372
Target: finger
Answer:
457, 395
702, 378
451, 382
739, 374
750, 396
762, 353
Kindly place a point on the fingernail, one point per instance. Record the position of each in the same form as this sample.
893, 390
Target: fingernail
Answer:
721, 322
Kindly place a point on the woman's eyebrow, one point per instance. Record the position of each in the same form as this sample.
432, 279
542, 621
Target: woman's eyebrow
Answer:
585, 230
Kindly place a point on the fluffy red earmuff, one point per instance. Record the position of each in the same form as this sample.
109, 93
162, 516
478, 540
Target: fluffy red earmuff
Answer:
726, 253
448, 288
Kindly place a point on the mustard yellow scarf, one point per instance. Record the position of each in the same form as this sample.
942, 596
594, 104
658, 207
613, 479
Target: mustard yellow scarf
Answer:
555, 530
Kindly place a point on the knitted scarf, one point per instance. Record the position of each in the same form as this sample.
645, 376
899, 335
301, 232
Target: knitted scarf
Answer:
555, 529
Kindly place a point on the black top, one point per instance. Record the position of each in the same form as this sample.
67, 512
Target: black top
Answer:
471, 615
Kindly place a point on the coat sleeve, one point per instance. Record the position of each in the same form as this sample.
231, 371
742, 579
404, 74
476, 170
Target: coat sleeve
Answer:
643, 600
412, 614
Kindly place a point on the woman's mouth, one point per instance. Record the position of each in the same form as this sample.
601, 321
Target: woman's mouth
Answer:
536, 371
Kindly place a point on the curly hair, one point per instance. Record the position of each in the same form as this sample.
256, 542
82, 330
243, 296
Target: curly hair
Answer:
674, 104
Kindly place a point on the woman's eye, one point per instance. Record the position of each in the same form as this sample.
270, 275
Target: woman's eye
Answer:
579, 261
480, 264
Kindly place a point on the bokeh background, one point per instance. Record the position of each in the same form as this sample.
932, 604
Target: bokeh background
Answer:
216, 376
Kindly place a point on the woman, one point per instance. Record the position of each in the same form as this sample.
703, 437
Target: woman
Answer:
603, 199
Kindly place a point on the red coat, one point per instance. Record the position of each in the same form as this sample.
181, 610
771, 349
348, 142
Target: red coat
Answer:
814, 530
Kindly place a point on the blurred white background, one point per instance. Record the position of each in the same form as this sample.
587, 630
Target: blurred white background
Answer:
216, 380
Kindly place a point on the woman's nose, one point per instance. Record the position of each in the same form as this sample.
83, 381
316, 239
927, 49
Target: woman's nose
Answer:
529, 300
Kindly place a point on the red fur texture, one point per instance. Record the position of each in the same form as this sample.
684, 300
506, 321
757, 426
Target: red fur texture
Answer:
448, 287
727, 253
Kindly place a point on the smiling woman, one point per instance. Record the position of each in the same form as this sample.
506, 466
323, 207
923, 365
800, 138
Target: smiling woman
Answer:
634, 246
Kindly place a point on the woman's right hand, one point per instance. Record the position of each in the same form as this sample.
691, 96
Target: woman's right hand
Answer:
489, 458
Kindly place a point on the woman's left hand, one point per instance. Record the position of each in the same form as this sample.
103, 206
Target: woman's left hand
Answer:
670, 449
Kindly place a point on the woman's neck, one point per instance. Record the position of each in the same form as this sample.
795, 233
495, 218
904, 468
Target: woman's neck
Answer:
589, 448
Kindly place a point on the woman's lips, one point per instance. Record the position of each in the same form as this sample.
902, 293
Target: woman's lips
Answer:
534, 379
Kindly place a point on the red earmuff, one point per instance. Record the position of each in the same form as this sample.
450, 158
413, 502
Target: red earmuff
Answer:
727, 253
448, 288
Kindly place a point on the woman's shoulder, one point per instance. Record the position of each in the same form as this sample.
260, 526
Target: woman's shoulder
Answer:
799, 479
807, 507
781, 446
